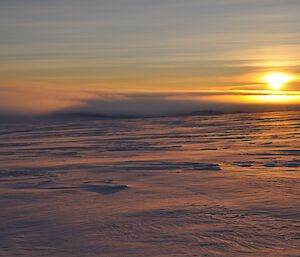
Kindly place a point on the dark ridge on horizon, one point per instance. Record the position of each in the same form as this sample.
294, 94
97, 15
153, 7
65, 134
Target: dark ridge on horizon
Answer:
88, 116
131, 116
230, 109
195, 113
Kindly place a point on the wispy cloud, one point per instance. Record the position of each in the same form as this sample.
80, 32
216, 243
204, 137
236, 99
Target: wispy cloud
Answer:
58, 55
24, 102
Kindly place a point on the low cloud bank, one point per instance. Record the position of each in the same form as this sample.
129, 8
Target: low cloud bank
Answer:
134, 105
145, 105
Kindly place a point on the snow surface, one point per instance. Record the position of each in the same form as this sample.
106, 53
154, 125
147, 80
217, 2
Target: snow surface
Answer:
222, 185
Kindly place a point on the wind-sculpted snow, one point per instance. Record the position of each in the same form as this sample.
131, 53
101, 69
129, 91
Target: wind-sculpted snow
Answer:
220, 185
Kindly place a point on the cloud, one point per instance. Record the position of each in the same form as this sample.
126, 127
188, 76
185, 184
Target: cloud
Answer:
32, 101
173, 104
43, 102
141, 105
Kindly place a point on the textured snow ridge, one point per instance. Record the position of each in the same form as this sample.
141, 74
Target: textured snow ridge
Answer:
221, 185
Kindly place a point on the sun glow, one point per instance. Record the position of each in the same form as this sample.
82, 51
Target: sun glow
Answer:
276, 81
285, 99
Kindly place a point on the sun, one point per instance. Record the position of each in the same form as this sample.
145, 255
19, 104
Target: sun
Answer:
276, 81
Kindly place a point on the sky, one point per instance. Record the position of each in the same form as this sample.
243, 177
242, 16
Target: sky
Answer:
66, 54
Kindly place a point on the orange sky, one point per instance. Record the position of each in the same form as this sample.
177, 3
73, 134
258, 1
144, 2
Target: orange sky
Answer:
58, 54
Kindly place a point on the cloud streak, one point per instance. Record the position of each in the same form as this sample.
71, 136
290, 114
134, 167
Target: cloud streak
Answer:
147, 104
41, 102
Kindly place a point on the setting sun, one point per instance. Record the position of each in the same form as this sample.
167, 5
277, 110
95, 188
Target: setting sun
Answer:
276, 81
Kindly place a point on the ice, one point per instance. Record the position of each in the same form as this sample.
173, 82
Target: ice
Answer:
219, 185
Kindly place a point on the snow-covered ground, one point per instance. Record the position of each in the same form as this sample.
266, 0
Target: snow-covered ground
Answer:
223, 185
